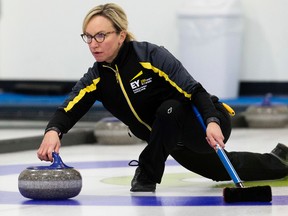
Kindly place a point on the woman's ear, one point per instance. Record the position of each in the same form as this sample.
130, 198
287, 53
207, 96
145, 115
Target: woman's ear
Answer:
123, 35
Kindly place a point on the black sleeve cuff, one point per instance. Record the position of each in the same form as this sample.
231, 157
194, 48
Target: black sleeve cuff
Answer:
60, 134
213, 119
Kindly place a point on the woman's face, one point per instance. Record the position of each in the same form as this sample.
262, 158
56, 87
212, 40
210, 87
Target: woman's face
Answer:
107, 50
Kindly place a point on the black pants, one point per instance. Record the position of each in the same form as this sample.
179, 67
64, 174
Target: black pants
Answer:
177, 132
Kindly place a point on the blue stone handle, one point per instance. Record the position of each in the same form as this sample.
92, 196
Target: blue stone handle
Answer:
57, 162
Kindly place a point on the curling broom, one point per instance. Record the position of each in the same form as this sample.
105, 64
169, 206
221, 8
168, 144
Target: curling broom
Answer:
239, 193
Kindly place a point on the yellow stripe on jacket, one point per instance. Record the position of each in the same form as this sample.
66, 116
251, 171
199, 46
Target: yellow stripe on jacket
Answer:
81, 94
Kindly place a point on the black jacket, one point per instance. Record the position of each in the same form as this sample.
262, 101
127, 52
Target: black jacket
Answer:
132, 87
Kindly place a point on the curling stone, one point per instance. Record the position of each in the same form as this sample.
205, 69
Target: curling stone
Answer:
55, 182
267, 115
112, 131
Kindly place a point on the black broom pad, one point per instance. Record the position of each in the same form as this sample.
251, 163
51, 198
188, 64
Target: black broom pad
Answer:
248, 194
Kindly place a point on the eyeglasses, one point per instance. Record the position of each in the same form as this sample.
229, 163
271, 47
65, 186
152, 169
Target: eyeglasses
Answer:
99, 37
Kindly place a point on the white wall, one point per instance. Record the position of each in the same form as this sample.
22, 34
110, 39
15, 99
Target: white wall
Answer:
40, 39
266, 40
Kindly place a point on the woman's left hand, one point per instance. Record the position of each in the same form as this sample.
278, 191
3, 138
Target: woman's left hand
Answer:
214, 135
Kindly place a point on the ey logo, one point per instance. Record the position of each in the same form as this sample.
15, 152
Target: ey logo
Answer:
139, 85
136, 84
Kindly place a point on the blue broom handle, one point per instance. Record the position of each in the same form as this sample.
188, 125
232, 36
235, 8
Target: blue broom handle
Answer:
221, 154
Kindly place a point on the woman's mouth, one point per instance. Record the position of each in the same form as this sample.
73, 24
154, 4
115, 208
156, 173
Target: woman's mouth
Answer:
95, 54
98, 56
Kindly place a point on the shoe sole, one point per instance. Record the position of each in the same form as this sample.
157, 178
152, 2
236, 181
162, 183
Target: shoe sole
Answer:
284, 149
135, 189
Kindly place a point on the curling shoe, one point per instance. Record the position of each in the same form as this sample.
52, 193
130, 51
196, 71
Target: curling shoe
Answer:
281, 152
141, 183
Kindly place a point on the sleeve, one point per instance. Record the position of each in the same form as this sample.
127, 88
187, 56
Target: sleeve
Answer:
79, 101
186, 84
205, 104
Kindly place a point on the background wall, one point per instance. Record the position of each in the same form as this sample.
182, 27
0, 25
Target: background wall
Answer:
265, 54
40, 40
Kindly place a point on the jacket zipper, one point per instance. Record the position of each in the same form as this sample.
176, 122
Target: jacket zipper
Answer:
119, 80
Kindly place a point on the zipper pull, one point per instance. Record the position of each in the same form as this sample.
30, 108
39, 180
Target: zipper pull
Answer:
117, 76
117, 73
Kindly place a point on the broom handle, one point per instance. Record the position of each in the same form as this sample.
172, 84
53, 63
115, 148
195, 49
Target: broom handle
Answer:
221, 154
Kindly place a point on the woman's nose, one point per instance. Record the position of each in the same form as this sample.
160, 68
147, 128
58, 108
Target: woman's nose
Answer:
94, 43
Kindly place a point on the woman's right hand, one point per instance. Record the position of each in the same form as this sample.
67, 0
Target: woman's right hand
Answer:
50, 143
214, 135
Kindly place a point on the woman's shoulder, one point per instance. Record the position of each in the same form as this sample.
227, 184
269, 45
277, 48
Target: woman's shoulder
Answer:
93, 71
144, 45
145, 50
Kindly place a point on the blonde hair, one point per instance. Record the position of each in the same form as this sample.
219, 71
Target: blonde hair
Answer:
114, 13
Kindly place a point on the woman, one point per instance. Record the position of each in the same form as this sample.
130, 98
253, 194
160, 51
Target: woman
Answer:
149, 90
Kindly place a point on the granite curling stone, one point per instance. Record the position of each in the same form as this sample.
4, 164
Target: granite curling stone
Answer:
112, 131
267, 115
55, 182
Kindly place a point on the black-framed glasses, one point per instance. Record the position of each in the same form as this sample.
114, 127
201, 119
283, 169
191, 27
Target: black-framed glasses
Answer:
99, 37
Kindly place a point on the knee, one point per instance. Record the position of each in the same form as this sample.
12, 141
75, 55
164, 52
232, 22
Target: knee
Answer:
170, 109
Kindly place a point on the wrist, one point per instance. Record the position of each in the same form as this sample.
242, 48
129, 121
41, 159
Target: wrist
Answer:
57, 130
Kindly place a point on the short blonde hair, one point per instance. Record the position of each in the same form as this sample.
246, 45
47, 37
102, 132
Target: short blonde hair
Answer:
114, 13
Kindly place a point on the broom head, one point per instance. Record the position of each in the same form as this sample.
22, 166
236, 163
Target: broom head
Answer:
248, 194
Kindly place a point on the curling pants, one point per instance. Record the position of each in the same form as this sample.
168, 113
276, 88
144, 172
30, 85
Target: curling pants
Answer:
177, 132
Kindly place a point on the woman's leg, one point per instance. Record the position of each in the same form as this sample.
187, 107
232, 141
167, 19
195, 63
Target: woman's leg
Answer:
249, 166
176, 124
197, 156
166, 133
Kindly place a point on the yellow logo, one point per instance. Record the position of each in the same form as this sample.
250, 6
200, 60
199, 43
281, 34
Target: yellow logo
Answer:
139, 74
